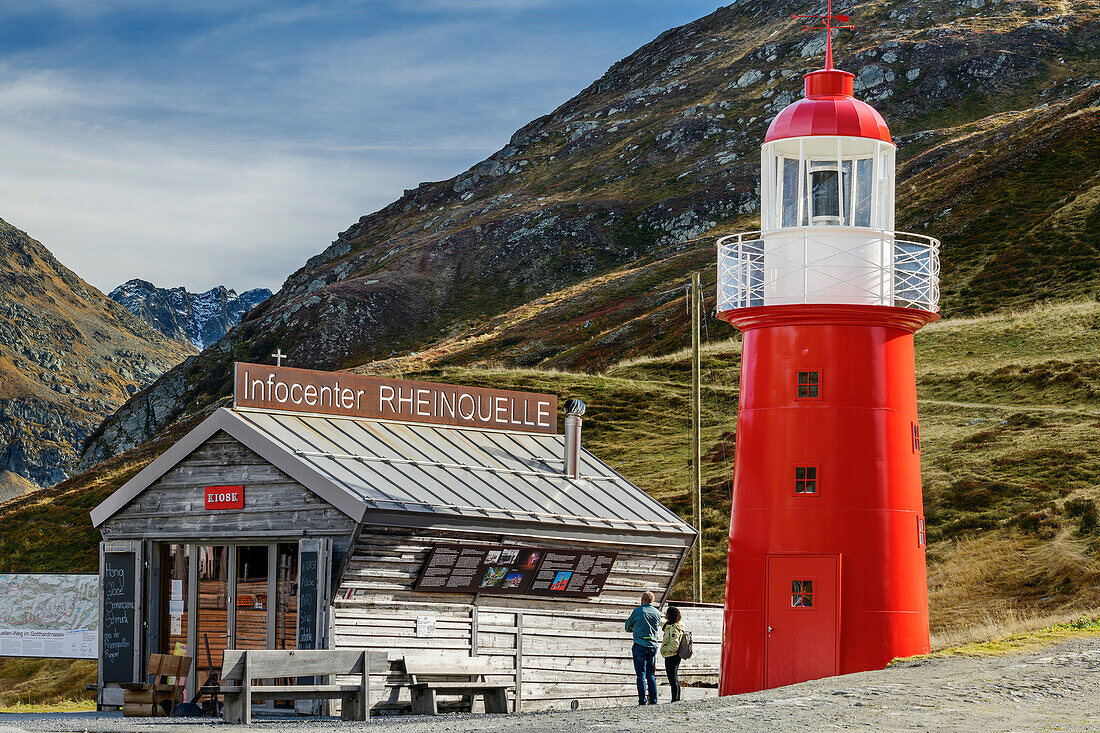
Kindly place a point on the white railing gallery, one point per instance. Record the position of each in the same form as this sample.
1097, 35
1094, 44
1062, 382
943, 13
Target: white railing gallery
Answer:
820, 265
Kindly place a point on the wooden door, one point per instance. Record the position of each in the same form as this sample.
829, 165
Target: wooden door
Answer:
803, 597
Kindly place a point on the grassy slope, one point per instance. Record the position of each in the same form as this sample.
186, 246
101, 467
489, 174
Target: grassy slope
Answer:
38, 685
1010, 410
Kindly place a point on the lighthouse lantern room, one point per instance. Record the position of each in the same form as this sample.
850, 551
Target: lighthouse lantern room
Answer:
826, 569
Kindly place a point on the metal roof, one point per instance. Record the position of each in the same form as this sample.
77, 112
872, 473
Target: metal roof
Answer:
366, 467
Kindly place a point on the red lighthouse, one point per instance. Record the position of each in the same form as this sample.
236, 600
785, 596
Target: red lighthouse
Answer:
826, 567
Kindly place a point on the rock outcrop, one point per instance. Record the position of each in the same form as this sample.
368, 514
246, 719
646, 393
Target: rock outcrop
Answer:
199, 319
69, 356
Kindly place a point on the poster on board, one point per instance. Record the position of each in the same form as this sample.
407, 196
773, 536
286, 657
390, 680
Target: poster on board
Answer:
504, 570
54, 616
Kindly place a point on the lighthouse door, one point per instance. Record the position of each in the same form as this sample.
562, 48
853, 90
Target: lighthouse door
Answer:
802, 617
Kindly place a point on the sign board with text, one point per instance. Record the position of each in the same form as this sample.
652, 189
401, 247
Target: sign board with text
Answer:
224, 497
354, 395
503, 570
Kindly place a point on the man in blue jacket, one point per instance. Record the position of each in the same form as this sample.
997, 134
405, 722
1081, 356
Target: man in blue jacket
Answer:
645, 624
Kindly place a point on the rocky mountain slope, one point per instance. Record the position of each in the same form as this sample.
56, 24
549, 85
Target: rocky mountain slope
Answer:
68, 357
568, 247
199, 319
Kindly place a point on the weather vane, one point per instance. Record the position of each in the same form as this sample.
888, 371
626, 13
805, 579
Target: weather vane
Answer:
843, 21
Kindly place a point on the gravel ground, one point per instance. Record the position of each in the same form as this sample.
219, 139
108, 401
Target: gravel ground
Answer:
1052, 688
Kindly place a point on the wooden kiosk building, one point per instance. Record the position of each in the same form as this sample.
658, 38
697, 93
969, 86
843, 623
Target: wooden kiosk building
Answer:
330, 510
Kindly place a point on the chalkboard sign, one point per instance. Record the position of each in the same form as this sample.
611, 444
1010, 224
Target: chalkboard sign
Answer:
119, 616
308, 591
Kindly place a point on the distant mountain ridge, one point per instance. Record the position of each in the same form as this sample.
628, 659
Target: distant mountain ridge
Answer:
198, 318
68, 357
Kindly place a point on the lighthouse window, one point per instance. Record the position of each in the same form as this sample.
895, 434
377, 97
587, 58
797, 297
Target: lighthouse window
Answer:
805, 479
802, 594
916, 438
824, 195
922, 536
862, 194
790, 192
809, 385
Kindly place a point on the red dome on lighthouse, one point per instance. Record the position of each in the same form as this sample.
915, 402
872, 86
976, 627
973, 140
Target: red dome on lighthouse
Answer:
829, 109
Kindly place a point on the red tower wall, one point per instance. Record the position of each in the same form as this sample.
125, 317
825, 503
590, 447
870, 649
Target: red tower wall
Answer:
859, 434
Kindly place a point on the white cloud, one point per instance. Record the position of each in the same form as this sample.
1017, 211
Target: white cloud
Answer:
187, 211
232, 152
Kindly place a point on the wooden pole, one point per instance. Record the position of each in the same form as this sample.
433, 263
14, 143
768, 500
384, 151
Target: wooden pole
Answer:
696, 439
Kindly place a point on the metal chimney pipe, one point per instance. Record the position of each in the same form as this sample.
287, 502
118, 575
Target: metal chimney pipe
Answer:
574, 408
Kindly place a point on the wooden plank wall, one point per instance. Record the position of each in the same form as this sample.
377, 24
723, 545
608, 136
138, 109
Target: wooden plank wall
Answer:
567, 649
275, 504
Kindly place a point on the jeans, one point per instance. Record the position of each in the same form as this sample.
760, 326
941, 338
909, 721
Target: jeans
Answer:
672, 669
645, 666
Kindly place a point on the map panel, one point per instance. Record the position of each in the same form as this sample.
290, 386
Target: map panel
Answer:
53, 616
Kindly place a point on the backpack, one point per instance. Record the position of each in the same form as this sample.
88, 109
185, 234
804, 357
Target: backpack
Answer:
684, 652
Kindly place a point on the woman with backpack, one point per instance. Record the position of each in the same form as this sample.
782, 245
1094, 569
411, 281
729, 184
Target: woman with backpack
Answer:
675, 647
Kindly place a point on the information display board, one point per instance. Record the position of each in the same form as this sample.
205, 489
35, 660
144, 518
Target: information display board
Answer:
515, 570
55, 616
572, 573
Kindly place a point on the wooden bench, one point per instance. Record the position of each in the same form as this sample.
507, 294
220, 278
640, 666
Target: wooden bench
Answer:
158, 696
432, 676
241, 666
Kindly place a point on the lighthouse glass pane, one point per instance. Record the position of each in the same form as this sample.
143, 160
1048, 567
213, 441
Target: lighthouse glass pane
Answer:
846, 190
863, 192
790, 192
824, 196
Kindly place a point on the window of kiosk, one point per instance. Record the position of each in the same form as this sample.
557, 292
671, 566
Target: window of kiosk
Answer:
286, 597
250, 629
213, 610
286, 606
175, 564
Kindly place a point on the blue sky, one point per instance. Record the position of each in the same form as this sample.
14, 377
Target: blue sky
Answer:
206, 142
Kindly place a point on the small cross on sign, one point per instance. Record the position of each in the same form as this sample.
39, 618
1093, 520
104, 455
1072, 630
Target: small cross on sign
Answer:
278, 356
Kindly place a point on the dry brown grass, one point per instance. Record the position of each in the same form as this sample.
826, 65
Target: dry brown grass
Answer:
45, 683
988, 587
1004, 629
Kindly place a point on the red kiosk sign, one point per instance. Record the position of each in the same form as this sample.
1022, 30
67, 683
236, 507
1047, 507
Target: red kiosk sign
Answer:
225, 497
